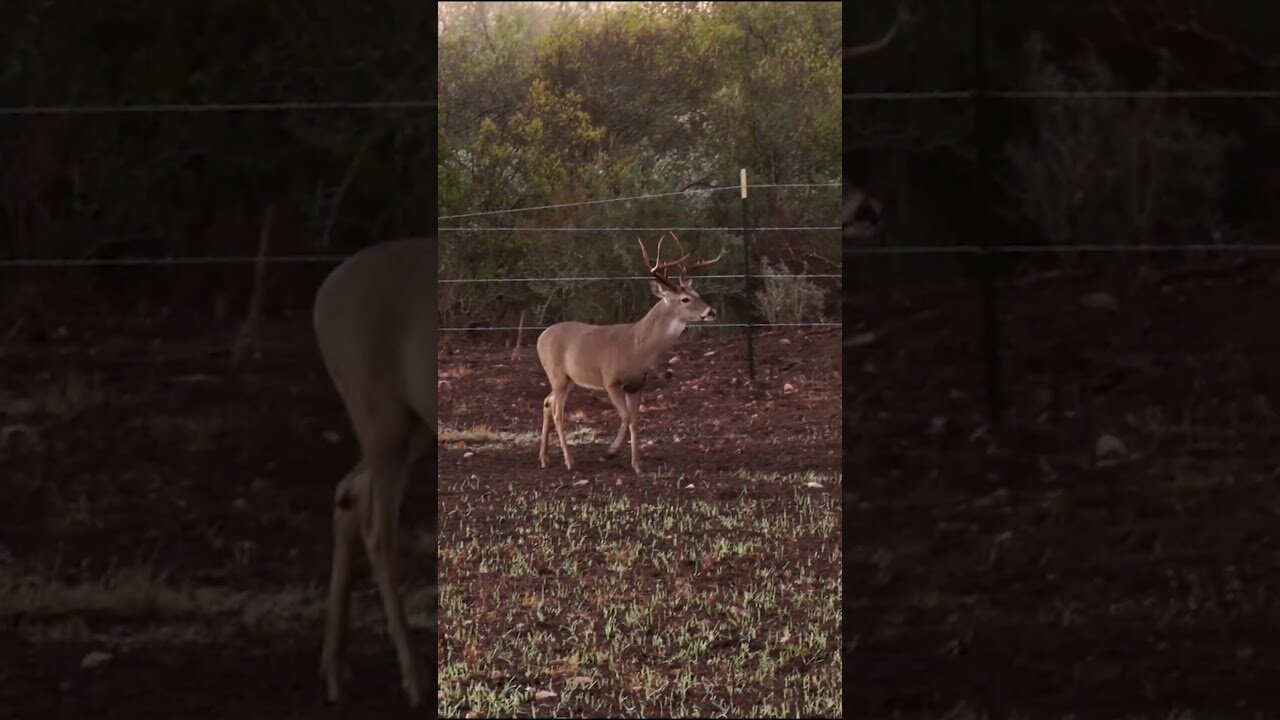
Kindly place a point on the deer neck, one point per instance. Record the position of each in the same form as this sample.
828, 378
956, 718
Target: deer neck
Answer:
657, 332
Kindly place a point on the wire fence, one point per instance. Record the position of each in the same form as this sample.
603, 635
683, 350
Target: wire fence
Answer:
1119, 248
613, 278
637, 229
26, 110
847, 249
745, 229
983, 139
710, 326
692, 191
917, 95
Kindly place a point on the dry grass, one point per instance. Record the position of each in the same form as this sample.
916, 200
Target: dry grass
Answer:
129, 591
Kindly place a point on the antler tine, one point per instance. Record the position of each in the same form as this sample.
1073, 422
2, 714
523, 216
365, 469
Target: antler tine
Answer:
686, 268
657, 263
704, 263
853, 53
680, 261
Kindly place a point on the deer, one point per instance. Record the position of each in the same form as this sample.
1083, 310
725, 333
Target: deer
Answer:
618, 358
376, 326
861, 213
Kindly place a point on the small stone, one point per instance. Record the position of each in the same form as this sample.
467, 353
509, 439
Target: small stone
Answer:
860, 340
1110, 447
1100, 301
95, 659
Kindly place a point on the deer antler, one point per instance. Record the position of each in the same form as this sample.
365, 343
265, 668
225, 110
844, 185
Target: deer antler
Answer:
853, 53
658, 264
703, 263
686, 268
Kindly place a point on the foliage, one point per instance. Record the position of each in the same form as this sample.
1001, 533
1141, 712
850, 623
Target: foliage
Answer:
1114, 170
787, 299
198, 183
545, 104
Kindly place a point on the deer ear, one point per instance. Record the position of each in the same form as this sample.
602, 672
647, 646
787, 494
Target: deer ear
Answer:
659, 290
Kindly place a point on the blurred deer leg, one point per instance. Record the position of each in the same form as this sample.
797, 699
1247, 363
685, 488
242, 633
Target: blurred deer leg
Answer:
633, 413
346, 532
380, 518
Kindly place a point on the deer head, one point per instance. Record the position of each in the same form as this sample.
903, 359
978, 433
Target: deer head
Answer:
678, 296
862, 213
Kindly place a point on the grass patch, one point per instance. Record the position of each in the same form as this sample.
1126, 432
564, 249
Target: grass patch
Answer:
485, 436
686, 607
127, 592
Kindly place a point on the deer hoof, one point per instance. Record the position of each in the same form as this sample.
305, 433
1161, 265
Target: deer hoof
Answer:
334, 676
412, 694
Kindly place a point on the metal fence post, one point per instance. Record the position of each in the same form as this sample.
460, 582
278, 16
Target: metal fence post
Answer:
748, 283
990, 315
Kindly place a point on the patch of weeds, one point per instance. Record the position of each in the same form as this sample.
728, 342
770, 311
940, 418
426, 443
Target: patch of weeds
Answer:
643, 608
130, 591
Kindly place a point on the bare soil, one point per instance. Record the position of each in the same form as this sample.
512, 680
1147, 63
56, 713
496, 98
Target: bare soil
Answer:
665, 593
1018, 572
174, 513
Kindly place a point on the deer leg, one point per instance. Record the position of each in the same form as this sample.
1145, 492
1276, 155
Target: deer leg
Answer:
558, 399
346, 532
380, 521
622, 431
633, 417
619, 400
547, 411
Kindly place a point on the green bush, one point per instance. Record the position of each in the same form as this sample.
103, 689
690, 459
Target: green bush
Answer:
788, 299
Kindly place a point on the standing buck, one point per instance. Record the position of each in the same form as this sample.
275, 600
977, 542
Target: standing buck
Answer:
616, 358
375, 320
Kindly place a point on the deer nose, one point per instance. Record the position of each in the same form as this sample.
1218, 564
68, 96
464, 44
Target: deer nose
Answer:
710, 314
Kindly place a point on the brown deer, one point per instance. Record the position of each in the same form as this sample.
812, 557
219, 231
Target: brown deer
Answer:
861, 213
617, 358
375, 321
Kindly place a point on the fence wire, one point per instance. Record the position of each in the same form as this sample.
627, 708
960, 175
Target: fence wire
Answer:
1054, 249
710, 326
601, 278
1223, 94
216, 107
637, 229
688, 191
888, 250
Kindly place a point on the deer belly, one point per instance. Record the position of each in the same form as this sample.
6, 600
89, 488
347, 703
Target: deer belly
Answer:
584, 377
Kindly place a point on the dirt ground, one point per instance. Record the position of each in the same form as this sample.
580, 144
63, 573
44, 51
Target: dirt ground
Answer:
708, 584
1111, 551
164, 539
175, 514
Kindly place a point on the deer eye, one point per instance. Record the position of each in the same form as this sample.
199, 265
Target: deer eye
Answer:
685, 299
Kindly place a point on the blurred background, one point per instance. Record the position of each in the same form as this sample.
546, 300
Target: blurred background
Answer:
1060, 372
175, 180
